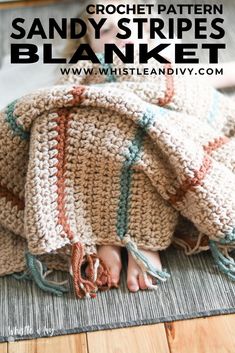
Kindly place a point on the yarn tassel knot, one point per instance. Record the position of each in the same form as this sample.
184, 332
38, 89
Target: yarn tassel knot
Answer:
97, 273
146, 266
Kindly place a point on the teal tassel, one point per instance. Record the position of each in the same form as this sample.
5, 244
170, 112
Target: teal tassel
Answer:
225, 265
35, 268
144, 262
11, 119
22, 275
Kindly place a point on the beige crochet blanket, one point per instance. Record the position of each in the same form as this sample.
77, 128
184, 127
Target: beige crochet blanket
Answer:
136, 161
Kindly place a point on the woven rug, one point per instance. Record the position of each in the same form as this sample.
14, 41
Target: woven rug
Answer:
196, 288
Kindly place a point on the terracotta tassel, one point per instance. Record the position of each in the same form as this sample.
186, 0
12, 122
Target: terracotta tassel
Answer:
82, 286
96, 270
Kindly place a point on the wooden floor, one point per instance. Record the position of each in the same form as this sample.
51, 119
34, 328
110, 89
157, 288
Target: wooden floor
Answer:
204, 335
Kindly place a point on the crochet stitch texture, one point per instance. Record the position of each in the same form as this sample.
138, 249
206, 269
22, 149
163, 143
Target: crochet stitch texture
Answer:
140, 162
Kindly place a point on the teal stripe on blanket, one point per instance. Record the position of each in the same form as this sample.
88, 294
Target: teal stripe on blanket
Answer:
125, 197
107, 68
11, 120
126, 172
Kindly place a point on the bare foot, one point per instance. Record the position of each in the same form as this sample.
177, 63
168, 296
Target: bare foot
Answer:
111, 255
135, 279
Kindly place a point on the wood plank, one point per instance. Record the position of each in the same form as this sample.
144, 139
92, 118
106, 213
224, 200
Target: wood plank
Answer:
208, 335
3, 347
28, 346
76, 343
59, 344
139, 339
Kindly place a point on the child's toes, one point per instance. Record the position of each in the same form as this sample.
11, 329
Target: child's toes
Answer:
132, 274
135, 277
111, 255
115, 274
132, 283
142, 283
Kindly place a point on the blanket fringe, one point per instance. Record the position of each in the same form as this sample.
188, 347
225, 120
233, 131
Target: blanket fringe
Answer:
98, 275
225, 262
191, 249
35, 269
22, 276
145, 265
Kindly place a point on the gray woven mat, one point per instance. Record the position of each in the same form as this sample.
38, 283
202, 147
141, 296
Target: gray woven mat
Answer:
196, 288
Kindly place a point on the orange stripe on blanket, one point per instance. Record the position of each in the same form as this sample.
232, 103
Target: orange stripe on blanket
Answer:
77, 249
62, 125
11, 197
190, 183
102, 279
214, 145
169, 93
78, 94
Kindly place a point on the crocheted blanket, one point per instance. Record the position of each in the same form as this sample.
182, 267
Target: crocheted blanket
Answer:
136, 161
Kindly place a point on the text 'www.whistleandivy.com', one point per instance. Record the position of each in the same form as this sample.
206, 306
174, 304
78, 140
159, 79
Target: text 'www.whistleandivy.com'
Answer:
200, 71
